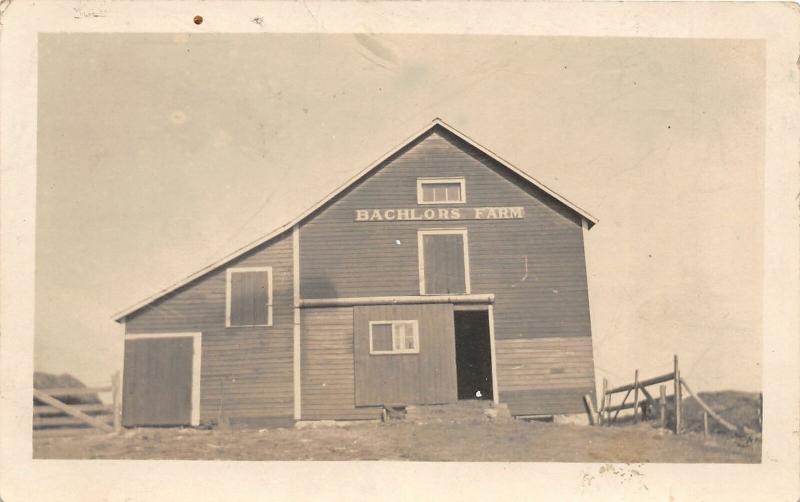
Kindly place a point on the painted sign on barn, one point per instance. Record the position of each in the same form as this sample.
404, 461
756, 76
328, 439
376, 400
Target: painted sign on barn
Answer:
444, 213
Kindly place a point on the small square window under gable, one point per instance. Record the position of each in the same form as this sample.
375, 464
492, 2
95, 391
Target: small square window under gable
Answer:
441, 190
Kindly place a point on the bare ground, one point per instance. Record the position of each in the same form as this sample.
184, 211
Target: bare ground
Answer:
514, 440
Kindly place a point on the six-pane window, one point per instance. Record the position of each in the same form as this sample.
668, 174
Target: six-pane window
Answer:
249, 297
393, 337
440, 191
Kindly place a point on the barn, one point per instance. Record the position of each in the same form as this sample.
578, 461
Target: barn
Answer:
439, 273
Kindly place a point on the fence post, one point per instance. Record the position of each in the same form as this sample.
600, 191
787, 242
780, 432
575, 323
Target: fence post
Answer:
587, 400
662, 404
678, 393
116, 406
760, 410
636, 396
705, 423
605, 400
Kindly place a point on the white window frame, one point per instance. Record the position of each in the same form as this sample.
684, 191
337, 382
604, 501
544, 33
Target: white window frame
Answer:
229, 273
197, 361
421, 255
460, 180
414, 323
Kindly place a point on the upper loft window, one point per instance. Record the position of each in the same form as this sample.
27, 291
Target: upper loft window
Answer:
441, 191
248, 297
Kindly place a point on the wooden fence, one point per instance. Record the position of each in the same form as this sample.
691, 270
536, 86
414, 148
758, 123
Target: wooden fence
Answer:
642, 400
608, 412
55, 417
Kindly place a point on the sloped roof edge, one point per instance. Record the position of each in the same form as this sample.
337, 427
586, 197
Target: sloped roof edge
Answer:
591, 220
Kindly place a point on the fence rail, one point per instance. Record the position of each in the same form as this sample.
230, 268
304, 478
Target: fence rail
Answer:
644, 383
55, 417
44, 409
77, 391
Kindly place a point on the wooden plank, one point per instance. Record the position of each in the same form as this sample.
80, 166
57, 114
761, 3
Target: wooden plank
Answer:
644, 383
709, 411
624, 406
52, 410
647, 394
397, 300
66, 420
297, 374
75, 391
493, 350
662, 405
64, 431
69, 410
589, 408
603, 403
636, 396
620, 407
116, 400
678, 398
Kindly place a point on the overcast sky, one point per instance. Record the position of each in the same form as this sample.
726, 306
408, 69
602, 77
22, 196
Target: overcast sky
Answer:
158, 154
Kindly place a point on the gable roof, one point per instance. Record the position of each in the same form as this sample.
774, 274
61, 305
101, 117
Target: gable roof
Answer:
437, 122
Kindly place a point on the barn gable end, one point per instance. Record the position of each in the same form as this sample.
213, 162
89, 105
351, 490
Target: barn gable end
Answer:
523, 246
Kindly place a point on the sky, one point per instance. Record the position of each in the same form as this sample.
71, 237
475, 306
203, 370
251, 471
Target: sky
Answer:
160, 153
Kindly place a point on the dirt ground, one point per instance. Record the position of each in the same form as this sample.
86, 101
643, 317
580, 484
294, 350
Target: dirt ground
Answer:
514, 440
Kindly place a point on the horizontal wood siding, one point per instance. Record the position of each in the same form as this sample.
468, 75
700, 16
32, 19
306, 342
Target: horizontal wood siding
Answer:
545, 401
546, 375
328, 381
245, 372
535, 266
428, 377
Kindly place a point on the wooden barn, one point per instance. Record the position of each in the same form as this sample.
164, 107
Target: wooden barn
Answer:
437, 274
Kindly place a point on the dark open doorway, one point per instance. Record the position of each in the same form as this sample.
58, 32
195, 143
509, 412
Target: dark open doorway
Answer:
473, 354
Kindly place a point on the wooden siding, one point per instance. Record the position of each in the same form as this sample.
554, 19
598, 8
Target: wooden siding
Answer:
428, 377
535, 266
328, 380
546, 375
157, 386
246, 372
545, 401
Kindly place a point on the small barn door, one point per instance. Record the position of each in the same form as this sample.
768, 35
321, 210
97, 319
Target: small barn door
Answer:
158, 382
